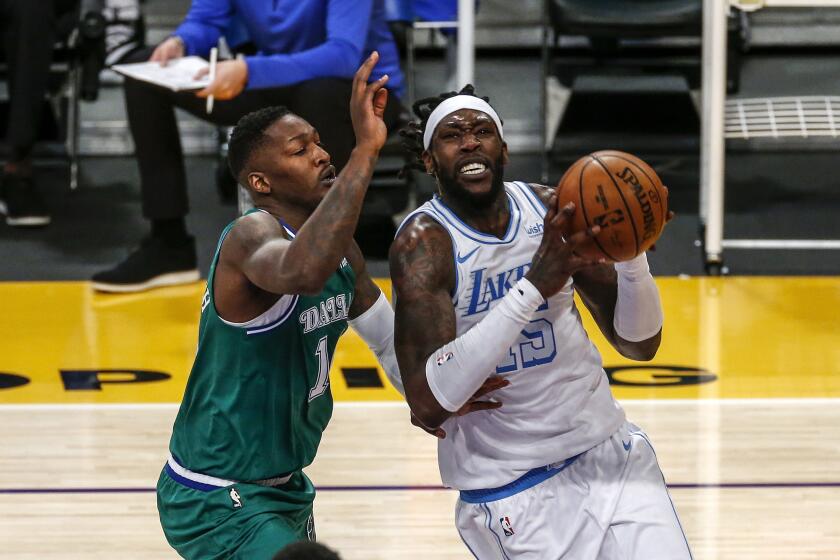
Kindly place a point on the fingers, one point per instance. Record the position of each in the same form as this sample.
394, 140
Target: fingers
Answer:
363, 73
201, 73
380, 98
562, 215
437, 432
216, 88
157, 54
551, 209
162, 55
581, 236
576, 239
493, 383
372, 89
478, 405
561, 223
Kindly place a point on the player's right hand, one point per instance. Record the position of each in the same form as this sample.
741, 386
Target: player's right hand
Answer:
367, 106
167, 50
555, 260
492, 383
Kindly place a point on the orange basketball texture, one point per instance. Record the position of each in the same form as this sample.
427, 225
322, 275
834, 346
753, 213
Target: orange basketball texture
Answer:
620, 193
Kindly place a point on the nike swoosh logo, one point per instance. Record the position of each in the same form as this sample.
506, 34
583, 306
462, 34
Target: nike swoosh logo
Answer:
462, 260
627, 445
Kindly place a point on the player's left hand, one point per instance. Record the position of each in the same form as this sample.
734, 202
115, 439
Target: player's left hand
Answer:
231, 77
668, 217
492, 383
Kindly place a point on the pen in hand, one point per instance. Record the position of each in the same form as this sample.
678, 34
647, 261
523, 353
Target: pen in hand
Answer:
214, 54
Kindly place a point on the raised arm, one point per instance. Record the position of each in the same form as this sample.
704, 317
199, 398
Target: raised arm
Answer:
598, 287
303, 265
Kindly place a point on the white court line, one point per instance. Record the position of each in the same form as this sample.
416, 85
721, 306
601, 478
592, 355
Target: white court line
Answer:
785, 401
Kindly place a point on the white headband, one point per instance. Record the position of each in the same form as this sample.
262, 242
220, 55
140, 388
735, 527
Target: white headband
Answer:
456, 103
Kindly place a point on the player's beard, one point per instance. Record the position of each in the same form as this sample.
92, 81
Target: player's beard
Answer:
449, 185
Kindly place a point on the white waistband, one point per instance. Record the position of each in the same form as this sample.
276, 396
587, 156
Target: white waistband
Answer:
221, 482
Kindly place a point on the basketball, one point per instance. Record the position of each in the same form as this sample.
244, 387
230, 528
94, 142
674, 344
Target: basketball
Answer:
620, 193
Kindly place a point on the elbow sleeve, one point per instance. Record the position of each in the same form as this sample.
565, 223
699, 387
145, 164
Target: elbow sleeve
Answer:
457, 369
638, 310
376, 327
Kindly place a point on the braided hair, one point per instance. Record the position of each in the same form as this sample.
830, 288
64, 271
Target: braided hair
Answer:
413, 133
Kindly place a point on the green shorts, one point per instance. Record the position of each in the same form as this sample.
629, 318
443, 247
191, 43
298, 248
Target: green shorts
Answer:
242, 521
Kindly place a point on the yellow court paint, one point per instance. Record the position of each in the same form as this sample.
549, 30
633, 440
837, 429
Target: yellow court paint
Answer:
751, 337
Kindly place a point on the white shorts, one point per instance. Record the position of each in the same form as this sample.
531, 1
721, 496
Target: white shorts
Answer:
608, 503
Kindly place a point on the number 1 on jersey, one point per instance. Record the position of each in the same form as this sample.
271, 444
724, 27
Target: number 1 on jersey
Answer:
323, 380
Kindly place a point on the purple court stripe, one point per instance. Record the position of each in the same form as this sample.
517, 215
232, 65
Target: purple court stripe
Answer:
676, 486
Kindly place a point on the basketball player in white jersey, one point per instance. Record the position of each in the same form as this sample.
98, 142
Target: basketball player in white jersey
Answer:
484, 276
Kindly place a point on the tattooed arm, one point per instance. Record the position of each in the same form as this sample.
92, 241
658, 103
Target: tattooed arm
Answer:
423, 273
366, 292
440, 371
598, 289
302, 266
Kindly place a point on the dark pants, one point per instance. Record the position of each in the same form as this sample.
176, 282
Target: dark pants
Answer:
29, 31
324, 103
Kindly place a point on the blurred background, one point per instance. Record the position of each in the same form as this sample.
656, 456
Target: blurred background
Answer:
611, 74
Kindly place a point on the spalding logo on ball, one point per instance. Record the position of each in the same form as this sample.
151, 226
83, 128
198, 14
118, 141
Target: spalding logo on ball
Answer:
621, 194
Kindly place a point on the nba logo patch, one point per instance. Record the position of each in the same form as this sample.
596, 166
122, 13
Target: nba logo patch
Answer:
310, 528
445, 357
235, 498
506, 526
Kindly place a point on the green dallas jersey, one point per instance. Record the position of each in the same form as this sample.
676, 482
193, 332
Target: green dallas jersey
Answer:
258, 396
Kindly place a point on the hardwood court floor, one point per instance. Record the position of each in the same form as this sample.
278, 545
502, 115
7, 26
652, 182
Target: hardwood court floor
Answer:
742, 404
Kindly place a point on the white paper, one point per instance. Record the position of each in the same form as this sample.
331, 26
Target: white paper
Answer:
177, 75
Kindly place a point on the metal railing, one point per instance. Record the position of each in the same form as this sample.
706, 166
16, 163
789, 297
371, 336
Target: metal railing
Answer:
809, 116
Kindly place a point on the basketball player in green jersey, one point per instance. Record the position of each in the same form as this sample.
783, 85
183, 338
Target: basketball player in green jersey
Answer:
285, 281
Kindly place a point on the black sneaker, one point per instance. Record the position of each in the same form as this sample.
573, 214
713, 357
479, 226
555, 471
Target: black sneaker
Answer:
154, 264
22, 203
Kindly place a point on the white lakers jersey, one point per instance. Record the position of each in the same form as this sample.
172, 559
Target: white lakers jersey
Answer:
558, 403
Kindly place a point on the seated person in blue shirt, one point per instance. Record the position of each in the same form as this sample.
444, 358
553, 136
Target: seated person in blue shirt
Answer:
307, 54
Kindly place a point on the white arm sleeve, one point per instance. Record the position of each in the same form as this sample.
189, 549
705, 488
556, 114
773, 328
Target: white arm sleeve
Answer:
376, 327
638, 311
457, 369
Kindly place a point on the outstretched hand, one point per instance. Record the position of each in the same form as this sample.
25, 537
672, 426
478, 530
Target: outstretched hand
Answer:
555, 259
492, 383
367, 106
